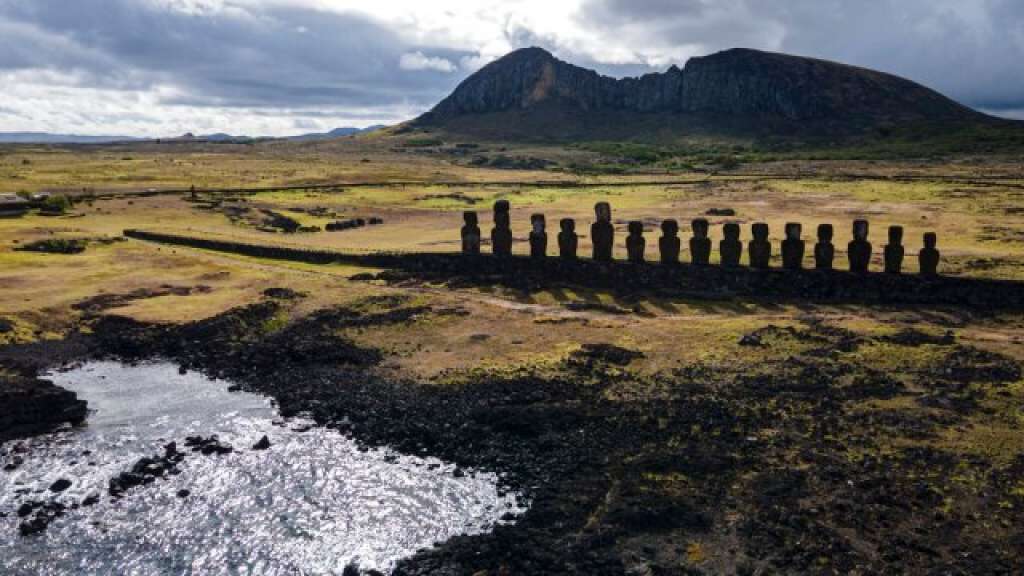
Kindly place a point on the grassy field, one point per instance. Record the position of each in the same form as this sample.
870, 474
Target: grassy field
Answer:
978, 219
975, 207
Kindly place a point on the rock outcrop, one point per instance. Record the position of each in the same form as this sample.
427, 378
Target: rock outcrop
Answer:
30, 406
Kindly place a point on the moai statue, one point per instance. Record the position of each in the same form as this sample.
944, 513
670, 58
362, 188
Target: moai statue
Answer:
538, 237
824, 251
928, 257
602, 233
730, 247
470, 234
635, 242
669, 243
760, 248
567, 240
793, 247
700, 244
894, 250
859, 249
501, 234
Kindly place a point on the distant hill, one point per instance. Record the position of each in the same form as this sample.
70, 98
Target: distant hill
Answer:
336, 133
220, 137
531, 94
45, 138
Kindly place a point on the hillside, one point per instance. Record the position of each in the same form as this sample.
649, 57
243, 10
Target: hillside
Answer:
531, 94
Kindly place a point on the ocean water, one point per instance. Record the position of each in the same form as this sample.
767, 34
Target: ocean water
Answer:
311, 504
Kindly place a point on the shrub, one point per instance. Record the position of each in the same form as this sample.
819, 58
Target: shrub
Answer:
281, 222
724, 162
56, 204
57, 246
730, 163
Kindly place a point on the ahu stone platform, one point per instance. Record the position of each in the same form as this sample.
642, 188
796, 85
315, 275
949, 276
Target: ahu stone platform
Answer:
541, 269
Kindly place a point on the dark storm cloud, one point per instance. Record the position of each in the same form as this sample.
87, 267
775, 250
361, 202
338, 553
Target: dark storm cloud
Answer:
970, 50
630, 10
682, 22
271, 57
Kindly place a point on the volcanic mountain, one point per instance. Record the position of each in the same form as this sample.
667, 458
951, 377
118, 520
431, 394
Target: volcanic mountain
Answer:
529, 93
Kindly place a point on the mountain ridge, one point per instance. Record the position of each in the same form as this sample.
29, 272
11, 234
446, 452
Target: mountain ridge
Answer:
732, 91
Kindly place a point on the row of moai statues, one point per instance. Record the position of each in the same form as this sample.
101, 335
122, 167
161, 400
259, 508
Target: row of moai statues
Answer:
759, 249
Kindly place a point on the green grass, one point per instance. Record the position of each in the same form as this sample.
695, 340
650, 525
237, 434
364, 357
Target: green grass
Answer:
870, 190
911, 141
423, 142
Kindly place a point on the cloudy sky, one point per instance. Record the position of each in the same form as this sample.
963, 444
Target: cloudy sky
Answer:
277, 67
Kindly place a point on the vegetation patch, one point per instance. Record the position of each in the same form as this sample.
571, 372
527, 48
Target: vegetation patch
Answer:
55, 205
503, 162
607, 353
423, 142
57, 246
283, 294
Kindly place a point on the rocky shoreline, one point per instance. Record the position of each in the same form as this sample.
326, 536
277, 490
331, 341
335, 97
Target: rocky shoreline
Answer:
30, 406
721, 471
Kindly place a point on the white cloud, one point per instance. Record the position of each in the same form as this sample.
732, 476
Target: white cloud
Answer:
40, 101
157, 67
474, 63
419, 61
1014, 113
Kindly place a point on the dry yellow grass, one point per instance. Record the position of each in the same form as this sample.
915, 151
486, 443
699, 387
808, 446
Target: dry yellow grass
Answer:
39, 290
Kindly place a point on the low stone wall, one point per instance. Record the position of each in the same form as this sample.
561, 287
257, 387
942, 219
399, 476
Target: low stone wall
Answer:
698, 281
310, 256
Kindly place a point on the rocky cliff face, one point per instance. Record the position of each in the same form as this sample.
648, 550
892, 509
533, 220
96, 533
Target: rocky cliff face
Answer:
761, 83
737, 83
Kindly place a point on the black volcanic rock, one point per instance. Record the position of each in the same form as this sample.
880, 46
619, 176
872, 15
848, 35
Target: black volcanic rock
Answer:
727, 88
60, 485
263, 444
30, 406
